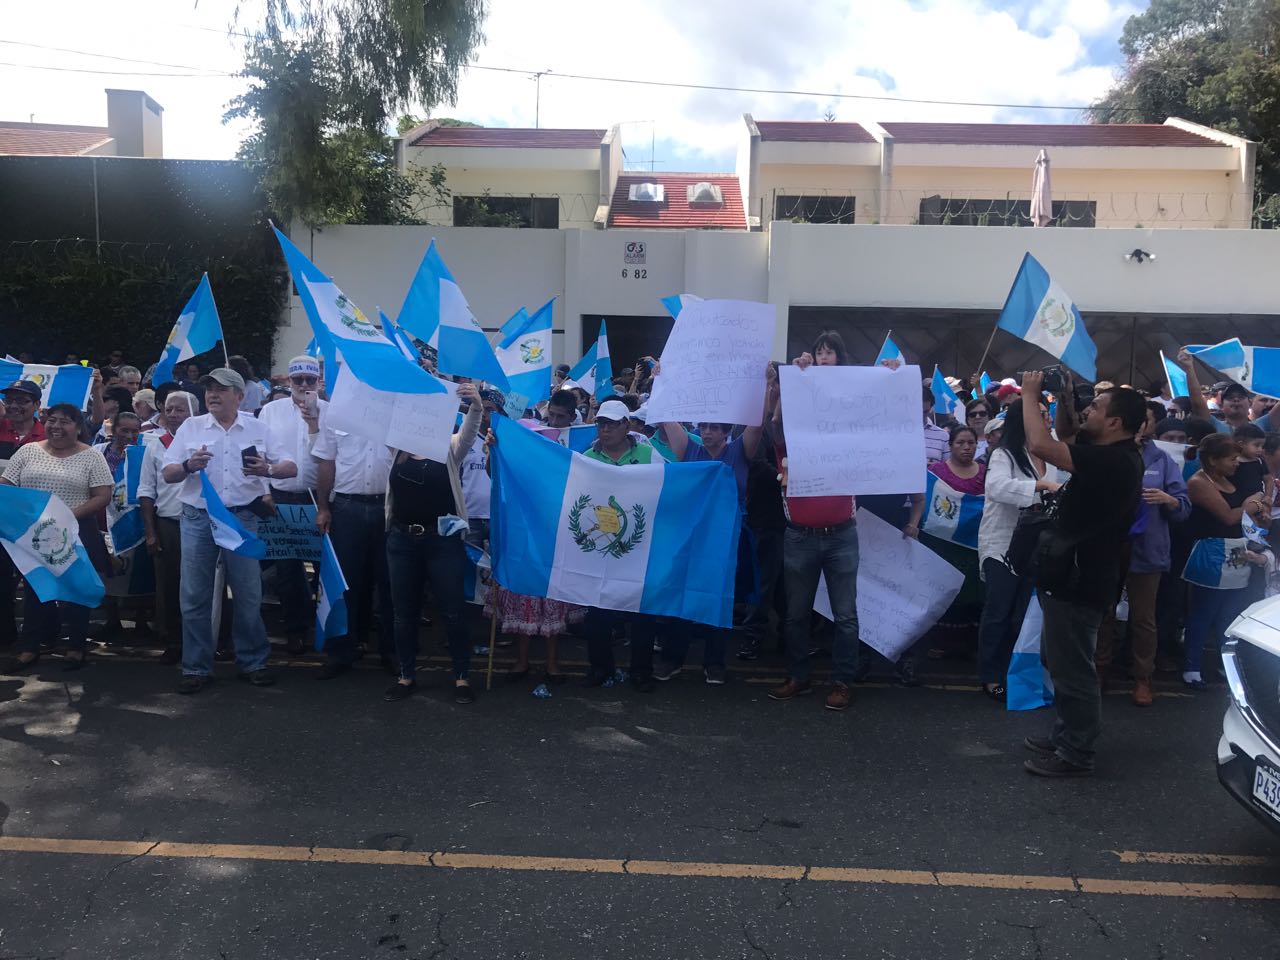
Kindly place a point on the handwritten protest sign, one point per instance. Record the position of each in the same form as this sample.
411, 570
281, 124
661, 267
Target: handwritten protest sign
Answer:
903, 587
291, 534
856, 430
421, 423
714, 362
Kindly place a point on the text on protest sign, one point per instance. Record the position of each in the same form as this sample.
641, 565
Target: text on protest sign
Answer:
291, 534
714, 362
852, 430
421, 423
903, 587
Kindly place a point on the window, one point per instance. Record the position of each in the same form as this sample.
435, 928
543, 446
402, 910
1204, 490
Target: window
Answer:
808, 209
646, 192
955, 211
705, 193
487, 211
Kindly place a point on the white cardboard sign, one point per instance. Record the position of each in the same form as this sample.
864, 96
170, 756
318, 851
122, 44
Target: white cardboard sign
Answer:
421, 423
903, 587
713, 364
853, 430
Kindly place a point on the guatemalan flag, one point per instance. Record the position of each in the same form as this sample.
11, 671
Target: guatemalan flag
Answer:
69, 383
890, 350
1176, 376
949, 514
228, 532
659, 538
524, 350
945, 400
1217, 563
1255, 368
331, 600
396, 335
124, 515
583, 373
1040, 312
42, 538
198, 329
594, 372
984, 382
677, 302
341, 328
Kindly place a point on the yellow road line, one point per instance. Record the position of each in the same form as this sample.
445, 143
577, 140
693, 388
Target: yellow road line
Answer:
1196, 859
653, 868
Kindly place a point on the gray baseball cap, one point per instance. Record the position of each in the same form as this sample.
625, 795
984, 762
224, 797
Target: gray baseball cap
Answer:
225, 376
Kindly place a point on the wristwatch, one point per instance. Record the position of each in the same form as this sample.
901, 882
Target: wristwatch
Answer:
270, 470
186, 466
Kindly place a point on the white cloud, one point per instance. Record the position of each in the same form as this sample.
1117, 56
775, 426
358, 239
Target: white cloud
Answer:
931, 49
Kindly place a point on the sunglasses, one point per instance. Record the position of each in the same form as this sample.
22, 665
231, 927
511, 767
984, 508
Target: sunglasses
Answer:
304, 381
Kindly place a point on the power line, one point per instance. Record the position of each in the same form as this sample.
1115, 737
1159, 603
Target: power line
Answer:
116, 73
106, 56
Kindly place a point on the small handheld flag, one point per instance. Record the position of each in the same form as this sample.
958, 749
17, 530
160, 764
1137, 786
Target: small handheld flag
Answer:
69, 383
228, 532
1176, 376
945, 400
331, 600
1040, 312
889, 351
984, 382
42, 538
198, 329
1254, 368
584, 371
524, 350
949, 514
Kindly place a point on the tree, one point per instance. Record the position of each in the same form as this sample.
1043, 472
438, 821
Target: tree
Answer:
1211, 61
325, 79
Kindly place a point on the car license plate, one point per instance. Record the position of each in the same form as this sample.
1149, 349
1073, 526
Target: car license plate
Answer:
1266, 788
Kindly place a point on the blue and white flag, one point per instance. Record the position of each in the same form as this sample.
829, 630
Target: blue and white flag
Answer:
583, 373
312, 348
42, 538
1218, 564
228, 532
1028, 685
69, 383
420, 312
655, 538
677, 302
945, 400
890, 350
475, 578
603, 368
1255, 368
198, 329
524, 350
1040, 312
124, 515
342, 329
984, 382
1176, 376
949, 514
397, 336
331, 598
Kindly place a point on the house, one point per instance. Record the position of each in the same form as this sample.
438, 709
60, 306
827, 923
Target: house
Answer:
135, 128
676, 201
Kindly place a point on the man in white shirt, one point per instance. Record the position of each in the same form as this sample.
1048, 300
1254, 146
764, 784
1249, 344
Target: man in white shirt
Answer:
351, 490
239, 455
161, 512
295, 422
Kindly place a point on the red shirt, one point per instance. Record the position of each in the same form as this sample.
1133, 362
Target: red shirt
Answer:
10, 441
817, 511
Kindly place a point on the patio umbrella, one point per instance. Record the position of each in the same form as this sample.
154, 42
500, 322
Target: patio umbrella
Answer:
1041, 193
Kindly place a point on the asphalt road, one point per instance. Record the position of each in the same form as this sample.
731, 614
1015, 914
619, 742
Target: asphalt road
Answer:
314, 820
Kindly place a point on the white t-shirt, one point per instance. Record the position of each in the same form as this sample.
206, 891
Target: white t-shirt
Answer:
476, 482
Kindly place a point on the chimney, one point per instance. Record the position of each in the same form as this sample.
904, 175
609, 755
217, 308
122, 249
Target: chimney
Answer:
135, 121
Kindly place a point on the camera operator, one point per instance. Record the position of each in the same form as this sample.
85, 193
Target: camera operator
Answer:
1084, 543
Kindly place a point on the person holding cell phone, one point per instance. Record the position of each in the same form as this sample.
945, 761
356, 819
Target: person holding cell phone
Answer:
240, 455
295, 422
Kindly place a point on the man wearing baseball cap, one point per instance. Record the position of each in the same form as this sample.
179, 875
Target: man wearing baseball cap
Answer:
240, 456
1234, 403
295, 422
19, 427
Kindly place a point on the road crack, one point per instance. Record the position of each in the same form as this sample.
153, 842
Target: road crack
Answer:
444, 944
787, 886
88, 905
746, 933
1031, 928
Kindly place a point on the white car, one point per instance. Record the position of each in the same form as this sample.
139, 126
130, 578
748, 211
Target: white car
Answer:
1249, 751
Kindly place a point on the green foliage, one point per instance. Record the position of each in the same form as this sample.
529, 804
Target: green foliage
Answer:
481, 212
1211, 61
408, 121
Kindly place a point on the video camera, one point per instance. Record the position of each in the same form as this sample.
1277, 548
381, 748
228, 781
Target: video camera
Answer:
1055, 382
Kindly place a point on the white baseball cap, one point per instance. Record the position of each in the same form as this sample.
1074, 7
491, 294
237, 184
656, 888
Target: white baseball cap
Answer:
613, 410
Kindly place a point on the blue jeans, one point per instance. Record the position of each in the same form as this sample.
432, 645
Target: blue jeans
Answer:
1006, 605
806, 556
358, 531
244, 577
412, 563
1209, 613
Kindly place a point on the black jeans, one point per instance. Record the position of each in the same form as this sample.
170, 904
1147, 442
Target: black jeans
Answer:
1002, 614
41, 623
769, 559
8, 600
413, 561
599, 629
358, 531
1067, 648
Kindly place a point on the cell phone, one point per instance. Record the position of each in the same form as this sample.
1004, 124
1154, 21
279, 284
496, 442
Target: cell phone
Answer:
247, 454
311, 403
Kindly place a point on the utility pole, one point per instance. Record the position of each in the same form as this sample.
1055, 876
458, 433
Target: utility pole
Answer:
537, 97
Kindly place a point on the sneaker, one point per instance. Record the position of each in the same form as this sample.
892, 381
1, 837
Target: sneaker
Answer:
666, 671
258, 678
1041, 745
399, 691
462, 693
907, 672
190, 683
1142, 693
791, 689
839, 697
749, 652
716, 676
1055, 766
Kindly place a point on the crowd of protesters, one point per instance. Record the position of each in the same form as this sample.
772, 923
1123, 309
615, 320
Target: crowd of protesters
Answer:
1130, 480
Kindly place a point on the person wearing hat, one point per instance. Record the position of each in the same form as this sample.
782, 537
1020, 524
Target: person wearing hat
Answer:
1233, 406
18, 427
240, 456
295, 421
615, 445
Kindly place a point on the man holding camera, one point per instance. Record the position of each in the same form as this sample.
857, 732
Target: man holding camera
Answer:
238, 453
1079, 558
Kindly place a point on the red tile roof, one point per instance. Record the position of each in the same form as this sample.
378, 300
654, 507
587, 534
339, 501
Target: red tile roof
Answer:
45, 139
1048, 134
811, 131
675, 212
546, 139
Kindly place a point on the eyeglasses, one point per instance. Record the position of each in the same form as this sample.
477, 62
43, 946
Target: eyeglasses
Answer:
981, 413
304, 381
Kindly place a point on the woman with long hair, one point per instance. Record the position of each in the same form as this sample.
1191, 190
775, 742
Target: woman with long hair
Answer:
828, 351
1015, 480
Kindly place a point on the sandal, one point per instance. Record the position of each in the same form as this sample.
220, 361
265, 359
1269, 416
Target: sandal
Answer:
995, 691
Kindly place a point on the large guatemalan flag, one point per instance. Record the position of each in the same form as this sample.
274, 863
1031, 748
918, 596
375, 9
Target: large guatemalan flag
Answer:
68, 383
42, 537
658, 538
1040, 312
951, 515
1216, 563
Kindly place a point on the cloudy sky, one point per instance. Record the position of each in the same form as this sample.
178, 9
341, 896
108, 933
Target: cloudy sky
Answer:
1051, 52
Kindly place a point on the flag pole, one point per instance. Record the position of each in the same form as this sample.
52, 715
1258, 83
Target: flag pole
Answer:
982, 364
493, 636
